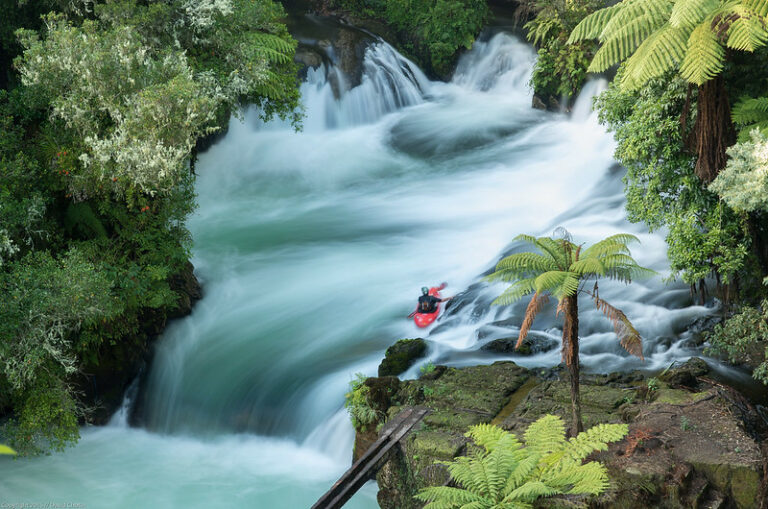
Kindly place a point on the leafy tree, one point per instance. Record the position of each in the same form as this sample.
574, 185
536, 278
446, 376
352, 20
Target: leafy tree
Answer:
690, 36
434, 31
96, 134
744, 338
743, 184
512, 474
560, 270
704, 237
560, 68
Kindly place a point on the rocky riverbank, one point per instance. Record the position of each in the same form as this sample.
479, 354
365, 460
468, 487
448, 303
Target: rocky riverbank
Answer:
693, 442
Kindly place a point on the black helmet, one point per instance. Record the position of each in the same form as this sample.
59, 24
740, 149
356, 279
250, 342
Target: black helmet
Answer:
424, 290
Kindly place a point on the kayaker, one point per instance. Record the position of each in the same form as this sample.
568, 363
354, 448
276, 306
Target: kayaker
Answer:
428, 303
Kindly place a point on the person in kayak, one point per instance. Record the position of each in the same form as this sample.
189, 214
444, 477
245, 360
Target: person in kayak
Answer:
428, 303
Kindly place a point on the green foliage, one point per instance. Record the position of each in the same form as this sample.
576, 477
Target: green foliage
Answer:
96, 134
562, 265
560, 69
427, 368
356, 403
658, 36
743, 184
561, 269
703, 236
653, 384
744, 338
433, 30
749, 114
514, 474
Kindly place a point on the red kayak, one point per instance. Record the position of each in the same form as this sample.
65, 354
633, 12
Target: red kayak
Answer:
424, 319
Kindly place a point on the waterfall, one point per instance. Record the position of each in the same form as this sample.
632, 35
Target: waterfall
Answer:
312, 247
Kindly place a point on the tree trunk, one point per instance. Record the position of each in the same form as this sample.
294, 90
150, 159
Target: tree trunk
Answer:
713, 131
571, 358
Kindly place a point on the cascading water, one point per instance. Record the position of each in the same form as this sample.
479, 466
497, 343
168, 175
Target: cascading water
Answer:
311, 248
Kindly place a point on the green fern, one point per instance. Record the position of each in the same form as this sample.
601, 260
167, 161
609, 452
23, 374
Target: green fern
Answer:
512, 474
654, 36
749, 114
559, 270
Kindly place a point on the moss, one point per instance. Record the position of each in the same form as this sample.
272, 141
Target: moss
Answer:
401, 356
678, 396
437, 444
741, 482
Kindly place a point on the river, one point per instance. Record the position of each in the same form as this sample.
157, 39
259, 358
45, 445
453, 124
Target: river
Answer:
312, 247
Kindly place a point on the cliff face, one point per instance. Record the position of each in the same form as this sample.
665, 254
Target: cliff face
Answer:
692, 443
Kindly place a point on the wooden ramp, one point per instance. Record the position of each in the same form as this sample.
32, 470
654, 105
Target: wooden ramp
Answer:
374, 458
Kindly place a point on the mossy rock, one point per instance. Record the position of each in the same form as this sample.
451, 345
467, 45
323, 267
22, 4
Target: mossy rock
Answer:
461, 397
686, 374
401, 356
742, 483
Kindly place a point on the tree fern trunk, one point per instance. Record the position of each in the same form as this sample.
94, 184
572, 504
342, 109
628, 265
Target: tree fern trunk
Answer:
713, 131
571, 357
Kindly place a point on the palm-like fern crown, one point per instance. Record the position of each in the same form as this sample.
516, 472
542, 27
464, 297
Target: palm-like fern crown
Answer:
559, 270
512, 474
654, 36
562, 265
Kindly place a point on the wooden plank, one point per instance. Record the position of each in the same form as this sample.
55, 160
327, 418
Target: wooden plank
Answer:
370, 463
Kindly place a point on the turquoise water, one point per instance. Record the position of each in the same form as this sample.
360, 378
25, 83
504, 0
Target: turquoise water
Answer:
311, 248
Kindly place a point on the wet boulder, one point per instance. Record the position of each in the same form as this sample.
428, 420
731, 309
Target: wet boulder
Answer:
533, 344
401, 356
685, 375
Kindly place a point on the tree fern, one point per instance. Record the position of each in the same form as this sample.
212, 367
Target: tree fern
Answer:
510, 474
654, 36
559, 270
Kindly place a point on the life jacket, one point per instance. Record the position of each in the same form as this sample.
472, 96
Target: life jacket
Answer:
427, 304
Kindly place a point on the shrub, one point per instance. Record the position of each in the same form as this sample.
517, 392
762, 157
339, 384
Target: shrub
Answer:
357, 405
744, 338
510, 473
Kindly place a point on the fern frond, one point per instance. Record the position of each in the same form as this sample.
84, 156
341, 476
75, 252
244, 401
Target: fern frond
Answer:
629, 337
522, 471
621, 44
689, 13
517, 291
592, 26
704, 58
750, 110
557, 282
595, 438
662, 51
613, 244
530, 491
554, 249
588, 266
652, 14
454, 497
489, 436
546, 435
593, 479
537, 302
526, 262
758, 7
746, 32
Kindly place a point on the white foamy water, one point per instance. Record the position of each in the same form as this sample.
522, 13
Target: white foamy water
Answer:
312, 248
